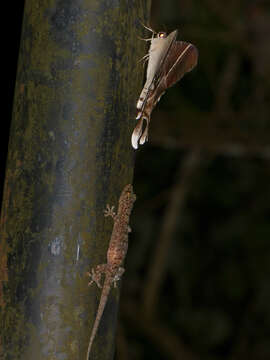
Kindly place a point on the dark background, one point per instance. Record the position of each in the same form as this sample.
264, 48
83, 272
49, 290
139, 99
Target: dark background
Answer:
197, 272
11, 30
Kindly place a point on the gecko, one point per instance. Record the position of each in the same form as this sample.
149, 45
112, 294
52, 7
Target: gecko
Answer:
115, 255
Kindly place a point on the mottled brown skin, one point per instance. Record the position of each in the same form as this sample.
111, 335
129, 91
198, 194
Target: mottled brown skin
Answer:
115, 255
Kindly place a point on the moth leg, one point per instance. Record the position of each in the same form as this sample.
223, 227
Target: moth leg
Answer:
144, 57
145, 60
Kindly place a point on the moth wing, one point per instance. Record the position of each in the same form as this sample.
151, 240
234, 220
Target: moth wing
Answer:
182, 58
158, 52
157, 57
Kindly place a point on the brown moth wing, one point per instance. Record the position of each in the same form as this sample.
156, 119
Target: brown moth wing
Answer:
182, 58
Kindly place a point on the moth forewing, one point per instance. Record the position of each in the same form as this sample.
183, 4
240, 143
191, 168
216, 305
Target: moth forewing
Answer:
157, 53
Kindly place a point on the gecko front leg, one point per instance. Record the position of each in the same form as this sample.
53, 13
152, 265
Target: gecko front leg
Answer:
96, 274
109, 211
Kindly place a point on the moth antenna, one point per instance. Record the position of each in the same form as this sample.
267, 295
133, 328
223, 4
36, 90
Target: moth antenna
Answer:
148, 39
148, 28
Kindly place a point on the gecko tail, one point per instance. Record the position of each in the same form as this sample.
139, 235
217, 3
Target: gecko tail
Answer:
103, 299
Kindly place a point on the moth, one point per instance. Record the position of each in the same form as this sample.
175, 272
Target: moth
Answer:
168, 61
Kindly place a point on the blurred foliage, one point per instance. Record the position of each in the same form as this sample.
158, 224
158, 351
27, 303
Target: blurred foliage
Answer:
212, 293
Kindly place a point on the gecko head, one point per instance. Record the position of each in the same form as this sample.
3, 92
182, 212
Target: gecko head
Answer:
128, 191
128, 188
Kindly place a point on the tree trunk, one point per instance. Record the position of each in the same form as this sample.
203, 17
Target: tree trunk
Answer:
69, 155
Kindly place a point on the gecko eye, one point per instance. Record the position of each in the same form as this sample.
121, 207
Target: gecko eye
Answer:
162, 35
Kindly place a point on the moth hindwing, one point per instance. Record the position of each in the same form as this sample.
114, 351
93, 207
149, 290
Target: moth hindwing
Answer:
168, 61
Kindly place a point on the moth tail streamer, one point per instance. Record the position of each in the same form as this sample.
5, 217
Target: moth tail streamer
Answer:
139, 135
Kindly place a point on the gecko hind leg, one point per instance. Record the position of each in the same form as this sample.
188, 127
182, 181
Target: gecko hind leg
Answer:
118, 276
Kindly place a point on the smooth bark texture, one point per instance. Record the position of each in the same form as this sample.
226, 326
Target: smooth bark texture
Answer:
69, 155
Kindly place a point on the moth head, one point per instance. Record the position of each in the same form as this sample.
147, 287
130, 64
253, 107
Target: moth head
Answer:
161, 35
